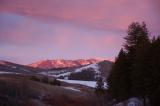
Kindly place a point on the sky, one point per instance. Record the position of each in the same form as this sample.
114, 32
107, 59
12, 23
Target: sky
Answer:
33, 30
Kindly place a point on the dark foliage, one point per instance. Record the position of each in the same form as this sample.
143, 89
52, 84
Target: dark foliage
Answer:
101, 93
85, 74
55, 82
35, 78
153, 81
136, 72
100, 90
119, 82
61, 77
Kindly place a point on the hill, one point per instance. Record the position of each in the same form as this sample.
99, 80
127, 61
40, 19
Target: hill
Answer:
13, 68
20, 91
49, 64
87, 72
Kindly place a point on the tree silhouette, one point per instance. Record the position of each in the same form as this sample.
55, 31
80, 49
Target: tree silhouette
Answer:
118, 79
136, 72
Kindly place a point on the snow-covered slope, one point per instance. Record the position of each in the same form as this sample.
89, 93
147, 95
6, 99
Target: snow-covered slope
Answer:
86, 83
101, 68
91, 84
66, 73
85, 72
93, 66
49, 64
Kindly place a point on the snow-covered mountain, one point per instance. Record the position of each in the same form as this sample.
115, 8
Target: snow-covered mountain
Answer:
101, 68
49, 64
81, 71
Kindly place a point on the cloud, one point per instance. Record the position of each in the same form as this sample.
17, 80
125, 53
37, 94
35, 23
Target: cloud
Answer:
28, 40
70, 28
99, 14
27, 32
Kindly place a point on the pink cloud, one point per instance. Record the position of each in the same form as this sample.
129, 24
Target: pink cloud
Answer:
101, 14
72, 28
108, 42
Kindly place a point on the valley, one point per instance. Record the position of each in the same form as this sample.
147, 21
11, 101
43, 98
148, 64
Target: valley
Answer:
35, 86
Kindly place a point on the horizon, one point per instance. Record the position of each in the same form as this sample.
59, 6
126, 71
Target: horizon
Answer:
98, 59
34, 30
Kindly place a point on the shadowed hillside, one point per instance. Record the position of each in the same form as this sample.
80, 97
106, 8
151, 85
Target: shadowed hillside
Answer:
20, 91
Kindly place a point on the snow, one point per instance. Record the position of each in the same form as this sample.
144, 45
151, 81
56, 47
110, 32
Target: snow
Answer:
135, 101
25, 70
91, 84
66, 73
94, 66
73, 89
3, 72
56, 73
105, 85
86, 83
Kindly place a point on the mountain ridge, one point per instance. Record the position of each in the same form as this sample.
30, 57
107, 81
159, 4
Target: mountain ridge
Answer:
61, 63
101, 68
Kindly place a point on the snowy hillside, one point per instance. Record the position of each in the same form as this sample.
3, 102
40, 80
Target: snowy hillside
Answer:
93, 66
66, 73
86, 73
96, 69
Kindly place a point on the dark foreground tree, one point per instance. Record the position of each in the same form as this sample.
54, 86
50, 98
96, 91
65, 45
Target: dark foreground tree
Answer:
137, 34
140, 65
154, 66
138, 59
118, 80
127, 76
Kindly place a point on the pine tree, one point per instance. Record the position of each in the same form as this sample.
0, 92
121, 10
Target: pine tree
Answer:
137, 34
137, 45
136, 71
139, 67
126, 78
100, 91
118, 80
99, 86
154, 66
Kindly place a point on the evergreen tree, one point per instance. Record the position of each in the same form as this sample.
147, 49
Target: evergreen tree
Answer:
139, 67
118, 79
127, 76
99, 84
136, 71
137, 34
154, 67
100, 91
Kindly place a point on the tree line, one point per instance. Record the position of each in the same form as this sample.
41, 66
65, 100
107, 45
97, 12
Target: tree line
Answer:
136, 72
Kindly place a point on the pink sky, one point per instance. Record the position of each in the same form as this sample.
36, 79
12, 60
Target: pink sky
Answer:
32, 30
